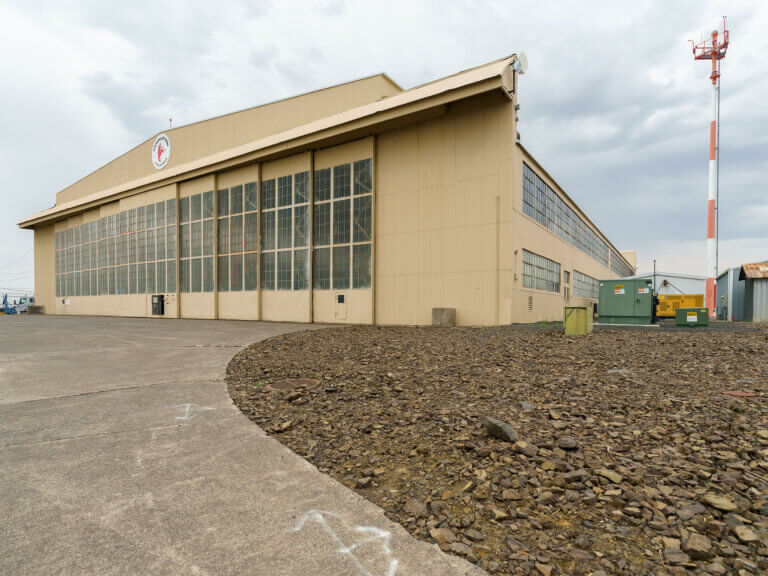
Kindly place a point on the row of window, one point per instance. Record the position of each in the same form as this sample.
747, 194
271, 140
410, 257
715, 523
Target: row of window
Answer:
540, 273
142, 278
545, 206
585, 286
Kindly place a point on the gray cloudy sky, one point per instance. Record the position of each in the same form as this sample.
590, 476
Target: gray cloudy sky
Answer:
612, 104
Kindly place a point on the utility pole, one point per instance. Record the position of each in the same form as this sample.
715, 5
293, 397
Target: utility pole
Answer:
713, 50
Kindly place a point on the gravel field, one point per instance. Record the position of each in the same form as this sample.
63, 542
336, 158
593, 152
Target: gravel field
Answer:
622, 452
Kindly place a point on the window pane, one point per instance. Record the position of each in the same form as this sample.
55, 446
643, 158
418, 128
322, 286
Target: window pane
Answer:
251, 236
250, 269
170, 232
195, 207
341, 221
223, 240
322, 185
268, 230
208, 274
196, 275
341, 181
363, 176
236, 272
362, 219
340, 267
208, 204
321, 228
160, 277
141, 219
301, 188
321, 268
184, 275
160, 243
150, 278
301, 269
183, 242
284, 228
141, 278
170, 211
236, 233
251, 197
170, 275
236, 200
223, 274
361, 266
111, 250
222, 208
183, 212
268, 271
159, 214
284, 191
150, 245
300, 225
207, 237
284, 270
267, 194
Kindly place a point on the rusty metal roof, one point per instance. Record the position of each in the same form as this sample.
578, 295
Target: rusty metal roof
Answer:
754, 270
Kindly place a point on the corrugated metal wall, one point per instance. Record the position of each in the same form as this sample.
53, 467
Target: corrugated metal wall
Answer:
756, 308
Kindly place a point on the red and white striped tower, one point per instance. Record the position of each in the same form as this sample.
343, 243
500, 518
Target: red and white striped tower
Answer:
713, 50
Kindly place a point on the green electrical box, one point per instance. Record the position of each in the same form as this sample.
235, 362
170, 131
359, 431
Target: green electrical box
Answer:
691, 317
625, 301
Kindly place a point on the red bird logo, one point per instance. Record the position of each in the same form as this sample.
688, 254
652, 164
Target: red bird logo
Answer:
160, 151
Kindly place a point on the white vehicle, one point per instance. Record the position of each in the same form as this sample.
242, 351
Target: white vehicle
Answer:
24, 301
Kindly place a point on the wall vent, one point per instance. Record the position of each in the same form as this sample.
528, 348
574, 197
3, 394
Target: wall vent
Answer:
530, 303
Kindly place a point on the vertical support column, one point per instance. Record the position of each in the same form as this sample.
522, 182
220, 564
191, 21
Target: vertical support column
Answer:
712, 193
311, 235
498, 277
178, 251
374, 181
216, 246
260, 185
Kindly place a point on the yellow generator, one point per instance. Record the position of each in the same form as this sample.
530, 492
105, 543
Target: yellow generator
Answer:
669, 303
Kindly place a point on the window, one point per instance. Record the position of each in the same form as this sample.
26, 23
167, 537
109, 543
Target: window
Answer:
340, 267
542, 204
322, 185
540, 273
361, 266
585, 286
321, 268
196, 240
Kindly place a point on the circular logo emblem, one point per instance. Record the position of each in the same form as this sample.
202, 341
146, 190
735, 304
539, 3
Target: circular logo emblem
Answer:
161, 151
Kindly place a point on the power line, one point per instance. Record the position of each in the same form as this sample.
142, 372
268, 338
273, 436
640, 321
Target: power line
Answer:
17, 259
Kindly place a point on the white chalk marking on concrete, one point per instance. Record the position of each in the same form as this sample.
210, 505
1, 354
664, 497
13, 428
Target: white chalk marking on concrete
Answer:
188, 410
373, 534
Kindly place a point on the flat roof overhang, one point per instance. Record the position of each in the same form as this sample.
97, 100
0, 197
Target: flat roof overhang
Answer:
410, 107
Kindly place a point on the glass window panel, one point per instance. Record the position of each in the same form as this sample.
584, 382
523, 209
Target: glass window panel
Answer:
361, 266
301, 269
208, 204
151, 216
195, 207
300, 225
363, 176
251, 232
184, 275
208, 237
183, 210
284, 192
284, 270
301, 188
141, 218
195, 239
196, 274
223, 274
222, 202
160, 214
361, 225
236, 272
94, 282
184, 241
284, 232
160, 276
341, 181
208, 274
160, 243
150, 278
170, 275
170, 242
236, 200
340, 267
150, 245
111, 250
250, 271
341, 221
251, 197
268, 271
322, 185
321, 268
170, 211
268, 195
236, 233
268, 230
223, 236
321, 228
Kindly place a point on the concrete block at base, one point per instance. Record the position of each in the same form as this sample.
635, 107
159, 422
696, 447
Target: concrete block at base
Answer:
445, 317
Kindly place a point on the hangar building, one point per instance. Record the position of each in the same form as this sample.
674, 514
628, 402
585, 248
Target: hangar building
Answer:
357, 203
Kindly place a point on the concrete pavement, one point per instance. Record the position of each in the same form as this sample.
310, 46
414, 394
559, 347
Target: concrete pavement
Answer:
122, 453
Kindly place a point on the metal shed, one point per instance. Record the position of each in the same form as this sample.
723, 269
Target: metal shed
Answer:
755, 278
730, 296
